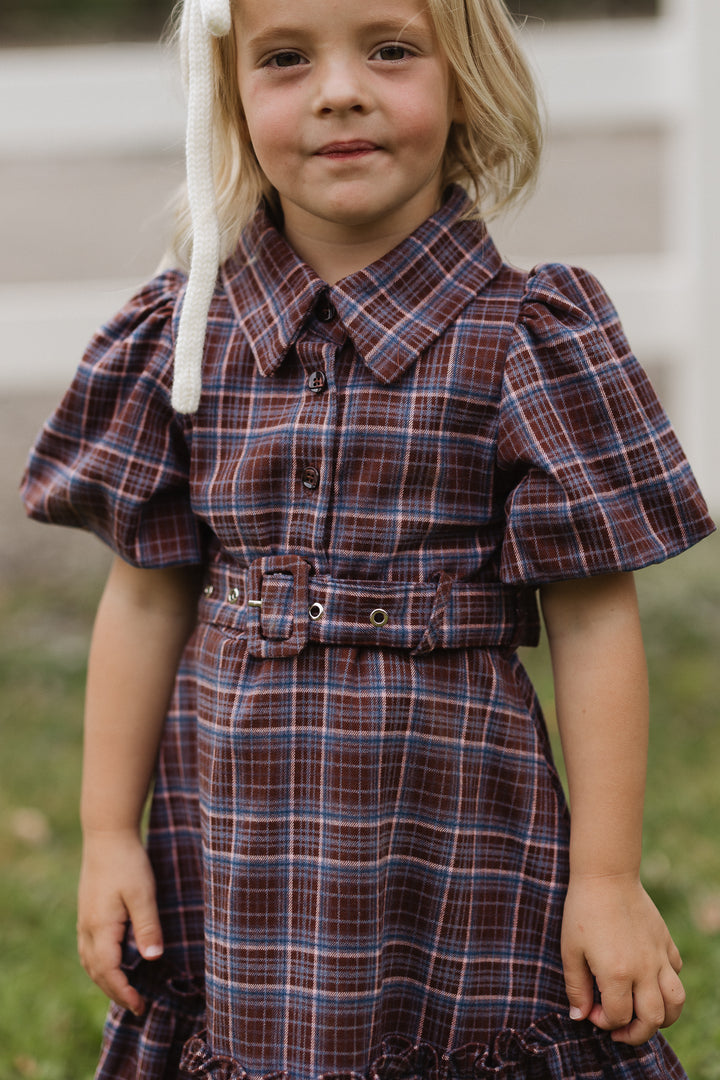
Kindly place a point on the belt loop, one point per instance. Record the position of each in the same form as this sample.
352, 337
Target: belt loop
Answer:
290, 565
431, 634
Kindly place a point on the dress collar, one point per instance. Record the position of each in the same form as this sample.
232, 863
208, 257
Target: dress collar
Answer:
392, 310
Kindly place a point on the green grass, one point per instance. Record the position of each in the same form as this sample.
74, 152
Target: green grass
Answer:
51, 1015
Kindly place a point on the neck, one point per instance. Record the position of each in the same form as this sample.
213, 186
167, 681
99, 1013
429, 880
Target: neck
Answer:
336, 257
336, 247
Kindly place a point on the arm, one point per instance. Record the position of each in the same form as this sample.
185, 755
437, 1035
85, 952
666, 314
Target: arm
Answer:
143, 622
611, 928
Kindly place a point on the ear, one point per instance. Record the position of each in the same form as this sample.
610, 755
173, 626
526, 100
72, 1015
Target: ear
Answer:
456, 106
458, 114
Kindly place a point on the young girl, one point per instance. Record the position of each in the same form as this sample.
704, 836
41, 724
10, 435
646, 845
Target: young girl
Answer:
381, 441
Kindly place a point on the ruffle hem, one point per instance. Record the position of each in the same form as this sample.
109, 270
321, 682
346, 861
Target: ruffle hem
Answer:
553, 1048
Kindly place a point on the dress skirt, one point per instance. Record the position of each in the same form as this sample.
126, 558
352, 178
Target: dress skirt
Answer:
384, 862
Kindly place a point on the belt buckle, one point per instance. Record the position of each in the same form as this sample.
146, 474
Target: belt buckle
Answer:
266, 647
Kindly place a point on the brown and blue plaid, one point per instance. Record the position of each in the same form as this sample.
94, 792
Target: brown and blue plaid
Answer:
359, 835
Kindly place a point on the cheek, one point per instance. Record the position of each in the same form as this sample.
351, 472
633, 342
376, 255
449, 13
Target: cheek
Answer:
423, 115
271, 129
425, 127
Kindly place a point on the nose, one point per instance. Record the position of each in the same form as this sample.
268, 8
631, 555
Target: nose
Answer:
340, 88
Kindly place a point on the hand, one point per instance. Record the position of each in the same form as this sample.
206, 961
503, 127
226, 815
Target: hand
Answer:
613, 931
116, 885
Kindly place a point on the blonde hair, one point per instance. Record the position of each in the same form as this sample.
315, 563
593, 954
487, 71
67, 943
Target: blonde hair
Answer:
494, 153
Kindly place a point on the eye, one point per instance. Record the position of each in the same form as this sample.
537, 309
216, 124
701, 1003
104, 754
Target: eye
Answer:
392, 53
286, 59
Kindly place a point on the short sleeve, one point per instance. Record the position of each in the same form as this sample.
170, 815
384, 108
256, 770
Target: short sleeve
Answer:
114, 456
597, 480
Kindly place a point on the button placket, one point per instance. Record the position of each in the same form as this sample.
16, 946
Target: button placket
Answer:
314, 440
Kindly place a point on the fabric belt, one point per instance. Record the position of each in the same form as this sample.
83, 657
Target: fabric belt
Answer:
280, 606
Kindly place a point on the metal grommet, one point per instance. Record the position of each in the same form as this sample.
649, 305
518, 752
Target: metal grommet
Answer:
233, 596
208, 590
315, 610
379, 617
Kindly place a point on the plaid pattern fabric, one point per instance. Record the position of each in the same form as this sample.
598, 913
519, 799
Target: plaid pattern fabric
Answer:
367, 844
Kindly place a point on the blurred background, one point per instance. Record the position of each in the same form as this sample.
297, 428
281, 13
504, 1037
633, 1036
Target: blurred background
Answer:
91, 143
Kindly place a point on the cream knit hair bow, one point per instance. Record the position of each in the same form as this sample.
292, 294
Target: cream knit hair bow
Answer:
201, 20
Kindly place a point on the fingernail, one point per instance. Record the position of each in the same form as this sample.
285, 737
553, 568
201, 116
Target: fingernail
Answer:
575, 1013
153, 952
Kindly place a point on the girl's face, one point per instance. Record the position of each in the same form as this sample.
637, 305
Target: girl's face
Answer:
348, 104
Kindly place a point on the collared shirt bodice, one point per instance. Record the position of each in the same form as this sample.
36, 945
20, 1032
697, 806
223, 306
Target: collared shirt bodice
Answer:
439, 410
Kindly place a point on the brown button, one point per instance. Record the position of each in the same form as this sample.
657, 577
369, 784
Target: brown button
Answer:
325, 311
310, 477
317, 382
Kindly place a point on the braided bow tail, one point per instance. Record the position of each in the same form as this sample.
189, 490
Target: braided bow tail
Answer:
202, 19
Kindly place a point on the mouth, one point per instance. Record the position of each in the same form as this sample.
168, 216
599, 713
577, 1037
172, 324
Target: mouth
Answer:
354, 148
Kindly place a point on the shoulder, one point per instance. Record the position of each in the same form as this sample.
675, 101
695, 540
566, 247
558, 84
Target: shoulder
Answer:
560, 296
567, 321
139, 338
550, 299
153, 302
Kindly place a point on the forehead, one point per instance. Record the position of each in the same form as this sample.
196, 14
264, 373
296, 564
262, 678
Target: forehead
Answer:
256, 16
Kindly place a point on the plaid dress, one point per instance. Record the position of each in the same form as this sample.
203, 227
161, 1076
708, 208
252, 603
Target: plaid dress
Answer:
358, 832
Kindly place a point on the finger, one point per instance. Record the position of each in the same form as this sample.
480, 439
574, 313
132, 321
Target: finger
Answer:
649, 1013
100, 949
145, 920
675, 958
101, 957
616, 1005
673, 993
116, 986
578, 985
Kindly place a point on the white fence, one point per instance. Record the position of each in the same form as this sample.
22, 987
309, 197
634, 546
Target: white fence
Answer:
661, 73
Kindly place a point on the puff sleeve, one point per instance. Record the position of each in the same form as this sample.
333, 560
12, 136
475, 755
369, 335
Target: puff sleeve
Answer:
599, 480
114, 457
